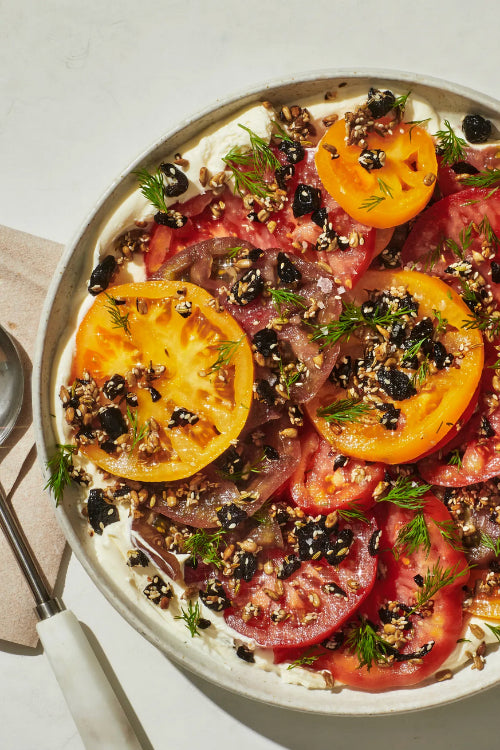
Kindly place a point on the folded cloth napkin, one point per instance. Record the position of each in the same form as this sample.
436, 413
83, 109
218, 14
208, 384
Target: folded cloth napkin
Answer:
26, 266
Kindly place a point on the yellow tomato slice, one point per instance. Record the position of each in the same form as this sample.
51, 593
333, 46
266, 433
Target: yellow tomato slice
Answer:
383, 197
427, 417
189, 349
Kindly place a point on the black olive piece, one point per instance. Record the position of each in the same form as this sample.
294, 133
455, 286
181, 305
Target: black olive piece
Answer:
231, 462
340, 548
253, 216
176, 182
266, 341
182, 417
287, 567
476, 128
397, 333
320, 217
214, 597
247, 567
312, 539
334, 589
203, 623
372, 159
288, 273
440, 356
494, 565
255, 254
380, 102
230, 516
395, 383
334, 642
495, 272
155, 395
423, 330
419, 580
99, 512
109, 447
373, 544
385, 615
305, 200
87, 433
408, 303
390, 416
271, 453
418, 654
157, 590
243, 652
121, 491
448, 496
113, 422
132, 400
463, 167
283, 175
369, 309
265, 392
102, 275
485, 428
341, 372
329, 240
114, 387
340, 461
137, 557
172, 219
293, 151
248, 288
412, 363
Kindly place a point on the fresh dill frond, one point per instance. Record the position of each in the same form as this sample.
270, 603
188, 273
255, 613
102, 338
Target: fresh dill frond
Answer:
406, 493
371, 202
288, 377
249, 166
483, 321
494, 629
385, 189
227, 350
263, 157
413, 349
306, 660
191, 617
419, 378
451, 145
488, 178
205, 546
493, 544
488, 232
238, 476
60, 466
350, 319
152, 187
416, 123
401, 101
455, 459
412, 536
138, 431
450, 534
364, 641
118, 320
465, 237
281, 133
435, 579
344, 410
352, 512
284, 298
233, 251
442, 323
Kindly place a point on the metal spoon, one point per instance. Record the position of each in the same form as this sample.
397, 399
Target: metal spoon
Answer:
99, 717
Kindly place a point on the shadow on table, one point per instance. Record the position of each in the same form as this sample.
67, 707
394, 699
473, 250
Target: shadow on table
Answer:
470, 723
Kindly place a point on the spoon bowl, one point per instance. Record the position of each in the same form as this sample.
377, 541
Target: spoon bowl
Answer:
11, 384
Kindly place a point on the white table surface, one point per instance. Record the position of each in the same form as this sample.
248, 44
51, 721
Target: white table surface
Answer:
86, 86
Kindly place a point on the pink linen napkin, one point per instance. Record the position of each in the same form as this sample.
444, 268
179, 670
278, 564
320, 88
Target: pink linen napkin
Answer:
26, 267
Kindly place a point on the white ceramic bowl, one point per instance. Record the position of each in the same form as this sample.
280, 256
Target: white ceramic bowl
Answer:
65, 294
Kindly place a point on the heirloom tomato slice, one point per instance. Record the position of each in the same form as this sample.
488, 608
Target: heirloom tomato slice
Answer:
174, 338
428, 635
429, 415
383, 197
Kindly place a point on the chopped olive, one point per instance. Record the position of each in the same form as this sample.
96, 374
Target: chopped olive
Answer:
380, 102
287, 567
485, 428
113, 422
266, 341
306, 200
247, 567
243, 652
395, 383
334, 589
214, 597
495, 272
99, 512
440, 356
340, 461
265, 392
390, 416
312, 539
176, 181
283, 175
374, 542
255, 254
182, 417
248, 288
288, 273
172, 219
230, 516
114, 387
337, 551
102, 275
231, 462
137, 557
293, 151
157, 590
271, 453
476, 128
320, 217
463, 167
341, 372
372, 159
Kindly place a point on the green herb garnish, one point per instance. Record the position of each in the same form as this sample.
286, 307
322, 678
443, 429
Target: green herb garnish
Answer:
285, 298
450, 534
344, 410
138, 431
118, 320
455, 459
364, 641
406, 493
493, 544
487, 178
227, 350
435, 579
412, 536
153, 188
308, 658
450, 144
249, 166
353, 512
60, 466
191, 617
372, 202
400, 102
205, 546
351, 318
494, 629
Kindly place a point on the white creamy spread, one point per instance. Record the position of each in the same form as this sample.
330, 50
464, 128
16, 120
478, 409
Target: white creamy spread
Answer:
114, 543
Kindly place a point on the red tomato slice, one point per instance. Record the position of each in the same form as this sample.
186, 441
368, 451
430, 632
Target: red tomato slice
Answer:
442, 623
318, 487
309, 612
478, 158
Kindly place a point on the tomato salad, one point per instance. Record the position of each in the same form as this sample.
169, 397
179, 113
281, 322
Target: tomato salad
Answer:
298, 402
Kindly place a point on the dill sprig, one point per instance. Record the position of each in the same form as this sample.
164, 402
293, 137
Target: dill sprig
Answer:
455, 459
249, 166
414, 349
416, 123
281, 133
371, 202
401, 101
352, 512
205, 546
238, 476
118, 320
284, 298
153, 188
435, 579
191, 617
60, 466
450, 144
412, 536
288, 377
344, 410
493, 544
442, 323
306, 660
364, 641
385, 189
488, 232
482, 320
350, 319
138, 431
494, 629
227, 350
406, 493
419, 378
488, 178
450, 534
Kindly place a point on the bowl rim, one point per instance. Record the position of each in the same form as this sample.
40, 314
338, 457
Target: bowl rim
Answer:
290, 696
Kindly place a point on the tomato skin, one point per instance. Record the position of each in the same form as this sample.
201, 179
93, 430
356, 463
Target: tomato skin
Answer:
317, 487
307, 580
430, 414
478, 158
398, 185
442, 623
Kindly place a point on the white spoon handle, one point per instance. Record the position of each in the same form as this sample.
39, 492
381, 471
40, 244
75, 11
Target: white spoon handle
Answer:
98, 715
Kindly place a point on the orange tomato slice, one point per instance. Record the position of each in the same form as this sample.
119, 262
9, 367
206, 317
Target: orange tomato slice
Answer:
189, 348
427, 417
383, 197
